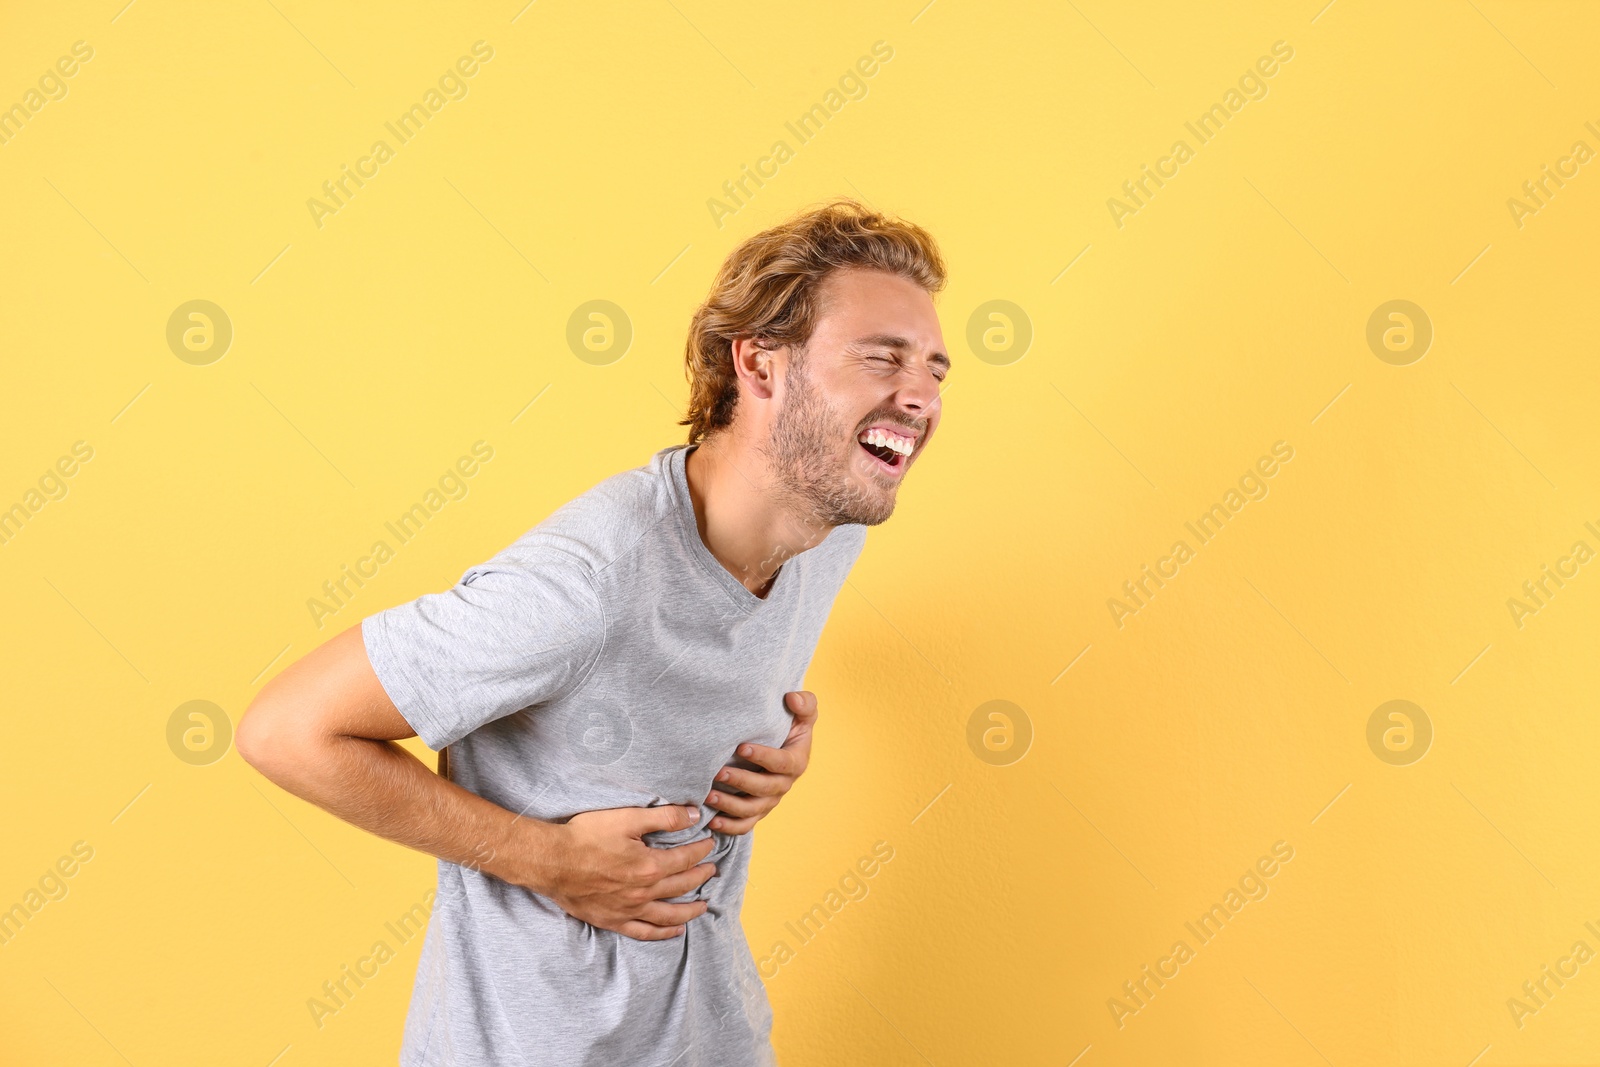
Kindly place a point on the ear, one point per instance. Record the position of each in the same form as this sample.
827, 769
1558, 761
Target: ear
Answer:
754, 363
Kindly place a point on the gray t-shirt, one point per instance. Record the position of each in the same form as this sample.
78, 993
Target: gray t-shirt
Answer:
603, 660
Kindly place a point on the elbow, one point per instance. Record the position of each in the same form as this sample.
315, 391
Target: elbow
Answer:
263, 737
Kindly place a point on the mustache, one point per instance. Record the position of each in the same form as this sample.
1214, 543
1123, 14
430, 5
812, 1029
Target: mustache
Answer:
894, 418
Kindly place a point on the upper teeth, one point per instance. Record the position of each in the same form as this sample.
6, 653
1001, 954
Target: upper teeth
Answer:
892, 441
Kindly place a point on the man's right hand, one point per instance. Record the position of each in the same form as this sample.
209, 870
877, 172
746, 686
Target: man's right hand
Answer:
599, 869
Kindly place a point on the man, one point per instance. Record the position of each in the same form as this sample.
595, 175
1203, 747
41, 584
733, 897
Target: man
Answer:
596, 678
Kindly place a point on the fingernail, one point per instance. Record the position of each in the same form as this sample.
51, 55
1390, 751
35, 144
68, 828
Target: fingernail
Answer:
694, 813
746, 750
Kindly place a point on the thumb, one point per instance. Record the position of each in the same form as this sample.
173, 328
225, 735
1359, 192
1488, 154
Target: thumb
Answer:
665, 817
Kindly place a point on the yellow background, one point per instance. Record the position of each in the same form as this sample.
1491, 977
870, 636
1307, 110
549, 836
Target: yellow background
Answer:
1224, 316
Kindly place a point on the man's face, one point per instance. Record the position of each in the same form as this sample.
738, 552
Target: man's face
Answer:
861, 401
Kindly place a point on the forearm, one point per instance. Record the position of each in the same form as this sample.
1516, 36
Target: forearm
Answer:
385, 790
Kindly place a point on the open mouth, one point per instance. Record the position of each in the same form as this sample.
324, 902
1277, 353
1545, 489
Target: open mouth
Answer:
889, 449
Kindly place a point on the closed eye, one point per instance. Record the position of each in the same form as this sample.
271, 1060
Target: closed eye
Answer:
941, 368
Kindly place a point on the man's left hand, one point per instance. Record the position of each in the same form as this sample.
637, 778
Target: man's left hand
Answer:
782, 766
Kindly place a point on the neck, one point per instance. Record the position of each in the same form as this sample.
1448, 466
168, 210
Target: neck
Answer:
745, 516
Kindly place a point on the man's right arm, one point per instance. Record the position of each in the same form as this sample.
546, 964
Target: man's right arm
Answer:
324, 730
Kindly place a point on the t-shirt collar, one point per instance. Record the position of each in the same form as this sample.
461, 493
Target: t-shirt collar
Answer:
677, 458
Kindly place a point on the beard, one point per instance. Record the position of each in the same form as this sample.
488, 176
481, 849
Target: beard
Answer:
825, 483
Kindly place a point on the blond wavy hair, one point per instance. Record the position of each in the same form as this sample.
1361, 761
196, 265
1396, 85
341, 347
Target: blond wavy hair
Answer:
768, 289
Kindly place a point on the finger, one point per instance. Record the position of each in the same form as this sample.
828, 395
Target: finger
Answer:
741, 807
645, 932
778, 760
800, 730
734, 826
756, 783
679, 884
662, 817
659, 913
682, 857
803, 705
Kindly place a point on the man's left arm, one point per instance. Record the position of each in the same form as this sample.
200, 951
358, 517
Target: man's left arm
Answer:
763, 788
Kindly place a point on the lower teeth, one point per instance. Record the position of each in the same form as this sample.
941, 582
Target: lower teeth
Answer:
887, 455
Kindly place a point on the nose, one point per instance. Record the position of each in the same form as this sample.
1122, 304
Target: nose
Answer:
919, 395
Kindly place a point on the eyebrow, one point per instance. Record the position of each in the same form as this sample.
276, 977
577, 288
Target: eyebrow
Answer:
884, 340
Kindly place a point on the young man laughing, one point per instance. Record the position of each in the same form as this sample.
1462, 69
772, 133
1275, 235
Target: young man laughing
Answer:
615, 695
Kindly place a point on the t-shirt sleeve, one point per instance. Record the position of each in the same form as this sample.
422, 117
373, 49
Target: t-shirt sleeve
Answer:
514, 632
